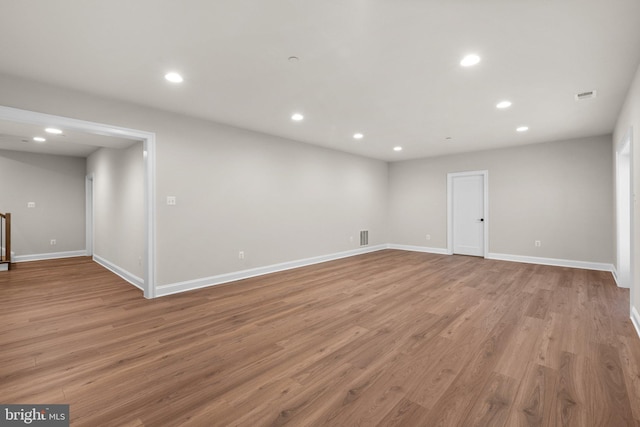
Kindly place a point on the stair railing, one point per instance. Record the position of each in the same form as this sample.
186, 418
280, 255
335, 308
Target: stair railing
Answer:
5, 238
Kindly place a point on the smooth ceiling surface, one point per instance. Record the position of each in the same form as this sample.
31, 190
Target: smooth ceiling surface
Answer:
19, 137
386, 68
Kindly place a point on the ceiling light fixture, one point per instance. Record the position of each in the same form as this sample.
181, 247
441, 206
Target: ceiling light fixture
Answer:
358, 136
39, 139
293, 59
297, 117
503, 104
470, 60
398, 148
522, 129
53, 131
173, 77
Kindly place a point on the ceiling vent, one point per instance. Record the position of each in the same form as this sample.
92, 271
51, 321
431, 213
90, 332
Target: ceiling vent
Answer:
585, 95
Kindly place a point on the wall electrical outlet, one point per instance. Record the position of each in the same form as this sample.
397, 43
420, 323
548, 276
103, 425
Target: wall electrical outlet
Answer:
31, 204
537, 243
241, 255
53, 242
428, 236
171, 200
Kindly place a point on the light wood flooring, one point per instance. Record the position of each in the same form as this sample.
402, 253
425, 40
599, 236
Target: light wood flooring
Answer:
389, 338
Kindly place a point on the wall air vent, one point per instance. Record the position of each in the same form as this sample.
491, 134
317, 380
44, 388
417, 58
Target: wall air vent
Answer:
364, 237
585, 95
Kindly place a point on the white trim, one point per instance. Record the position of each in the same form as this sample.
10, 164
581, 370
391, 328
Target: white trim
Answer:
149, 143
485, 180
149, 153
614, 272
88, 193
585, 265
626, 143
425, 249
635, 319
4, 266
129, 277
189, 285
52, 255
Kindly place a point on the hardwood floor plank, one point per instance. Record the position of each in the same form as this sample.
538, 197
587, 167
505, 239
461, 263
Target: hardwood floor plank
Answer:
536, 397
570, 402
492, 404
405, 413
608, 401
387, 338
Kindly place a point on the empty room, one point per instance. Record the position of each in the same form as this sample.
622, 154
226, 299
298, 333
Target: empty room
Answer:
334, 213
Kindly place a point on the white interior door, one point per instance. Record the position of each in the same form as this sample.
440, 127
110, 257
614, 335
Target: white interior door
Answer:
467, 192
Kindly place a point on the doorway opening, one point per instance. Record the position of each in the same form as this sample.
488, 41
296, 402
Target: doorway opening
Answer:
149, 162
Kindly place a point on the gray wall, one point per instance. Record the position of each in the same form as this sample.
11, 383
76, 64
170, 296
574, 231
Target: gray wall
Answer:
118, 207
559, 193
630, 119
278, 200
274, 199
57, 186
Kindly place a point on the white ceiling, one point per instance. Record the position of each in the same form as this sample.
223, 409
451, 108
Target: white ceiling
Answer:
19, 137
386, 68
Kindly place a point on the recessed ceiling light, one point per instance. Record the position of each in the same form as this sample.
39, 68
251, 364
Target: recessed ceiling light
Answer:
523, 128
358, 136
173, 77
448, 138
53, 131
503, 104
297, 117
470, 60
39, 139
293, 59
398, 148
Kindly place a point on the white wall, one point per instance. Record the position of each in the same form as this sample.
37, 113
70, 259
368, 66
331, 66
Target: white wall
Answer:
118, 207
278, 200
629, 118
56, 185
558, 192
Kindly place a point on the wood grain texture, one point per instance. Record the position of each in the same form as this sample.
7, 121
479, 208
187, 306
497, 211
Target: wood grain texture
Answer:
389, 338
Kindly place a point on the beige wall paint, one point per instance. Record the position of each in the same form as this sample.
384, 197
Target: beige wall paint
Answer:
278, 200
118, 195
56, 185
559, 193
629, 118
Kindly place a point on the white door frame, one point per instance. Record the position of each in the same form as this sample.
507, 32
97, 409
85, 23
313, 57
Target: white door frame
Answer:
485, 180
624, 217
149, 159
88, 188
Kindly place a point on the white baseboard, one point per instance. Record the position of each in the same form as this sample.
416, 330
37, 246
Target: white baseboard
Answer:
412, 248
53, 255
599, 266
635, 319
614, 272
129, 277
189, 285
